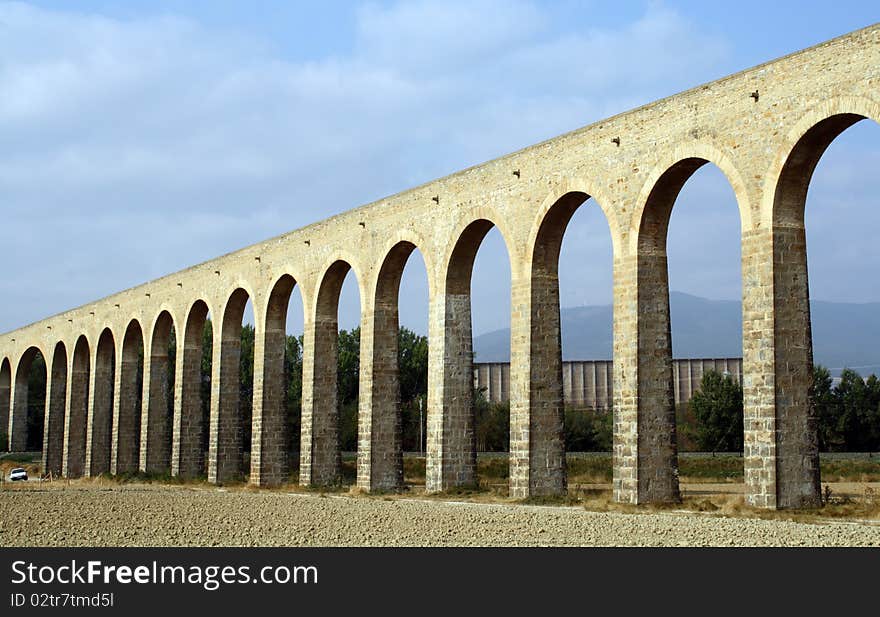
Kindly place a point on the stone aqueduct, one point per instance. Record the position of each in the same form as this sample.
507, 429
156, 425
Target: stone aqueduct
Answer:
765, 128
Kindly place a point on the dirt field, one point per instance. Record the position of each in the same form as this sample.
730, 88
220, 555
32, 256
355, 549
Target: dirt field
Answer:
109, 514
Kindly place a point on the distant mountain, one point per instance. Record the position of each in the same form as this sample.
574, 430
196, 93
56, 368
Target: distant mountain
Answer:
844, 334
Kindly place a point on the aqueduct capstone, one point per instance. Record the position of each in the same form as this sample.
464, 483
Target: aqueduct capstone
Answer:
765, 128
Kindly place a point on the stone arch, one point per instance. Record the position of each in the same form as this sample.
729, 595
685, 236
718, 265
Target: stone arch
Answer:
391, 248
125, 453
188, 440
157, 407
537, 407
320, 455
650, 430
464, 242
5, 393
797, 481
664, 183
100, 414
557, 209
330, 279
75, 422
226, 430
380, 451
20, 438
56, 398
451, 448
270, 436
788, 179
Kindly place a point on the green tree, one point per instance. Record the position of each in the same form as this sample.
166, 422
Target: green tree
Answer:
826, 409
349, 367
718, 408
206, 376
347, 385
412, 359
293, 393
246, 384
854, 423
491, 424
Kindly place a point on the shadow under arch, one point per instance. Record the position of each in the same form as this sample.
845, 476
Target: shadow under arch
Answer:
158, 405
271, 427
227, 424
655, 443
537, 402
380, 464
53, 439
796, 445
27, 418
100, 413
73, 464
125, 454
320, 454
451, 439
5, 393
188, 442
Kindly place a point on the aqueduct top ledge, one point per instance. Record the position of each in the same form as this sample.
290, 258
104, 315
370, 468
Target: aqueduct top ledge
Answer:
744, 123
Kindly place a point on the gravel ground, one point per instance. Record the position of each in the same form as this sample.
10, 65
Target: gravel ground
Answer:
184, 516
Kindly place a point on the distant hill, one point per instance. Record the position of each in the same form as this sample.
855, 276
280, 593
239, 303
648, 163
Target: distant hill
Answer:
844, 334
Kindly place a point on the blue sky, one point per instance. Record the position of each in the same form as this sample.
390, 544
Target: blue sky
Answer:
139, 138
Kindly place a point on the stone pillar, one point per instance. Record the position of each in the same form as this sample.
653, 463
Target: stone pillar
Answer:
269, 438
645, 453
625, 377
126, 409
224, 433
781, 440
451, 444
320, 458
100, 414
73, 462
187, 446
380, 454
155, 454
56, 398
658, 453
537, 449
797, 439
759, 370
5, 392
17, 432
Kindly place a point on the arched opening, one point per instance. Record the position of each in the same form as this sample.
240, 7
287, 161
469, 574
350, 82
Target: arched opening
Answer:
231, 412
453, 408
5, 393
192, 398
278, 395
393, 379
100, 416
29, 403
412, 358
125, 453
805, 419
158, 408
331, 371
571, 346
53, 442
73, 464
705, 281
658, 438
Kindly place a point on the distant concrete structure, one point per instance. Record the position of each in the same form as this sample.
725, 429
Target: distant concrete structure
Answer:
590, 383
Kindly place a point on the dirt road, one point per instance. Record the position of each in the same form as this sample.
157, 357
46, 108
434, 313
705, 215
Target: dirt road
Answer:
192, 516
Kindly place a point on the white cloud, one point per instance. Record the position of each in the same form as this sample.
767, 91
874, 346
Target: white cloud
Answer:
162, 143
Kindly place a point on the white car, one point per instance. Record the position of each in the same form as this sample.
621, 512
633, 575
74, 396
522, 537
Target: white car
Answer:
17, 474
